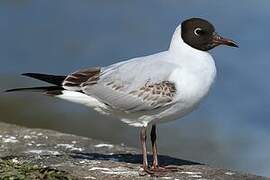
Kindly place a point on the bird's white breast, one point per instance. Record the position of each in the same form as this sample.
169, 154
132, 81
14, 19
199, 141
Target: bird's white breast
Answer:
193, 80
193, 83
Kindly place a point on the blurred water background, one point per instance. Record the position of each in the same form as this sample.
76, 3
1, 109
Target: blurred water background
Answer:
230, 129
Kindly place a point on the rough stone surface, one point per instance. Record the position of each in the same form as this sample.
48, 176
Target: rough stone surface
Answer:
85, 158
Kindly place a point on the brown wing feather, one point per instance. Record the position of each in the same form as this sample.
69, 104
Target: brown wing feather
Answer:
156, 94
76, 79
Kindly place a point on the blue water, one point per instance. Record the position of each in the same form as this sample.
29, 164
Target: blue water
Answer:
230, 129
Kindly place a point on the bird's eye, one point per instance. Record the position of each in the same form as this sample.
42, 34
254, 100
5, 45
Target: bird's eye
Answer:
198, 32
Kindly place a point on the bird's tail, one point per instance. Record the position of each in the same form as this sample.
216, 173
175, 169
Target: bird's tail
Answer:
49, 90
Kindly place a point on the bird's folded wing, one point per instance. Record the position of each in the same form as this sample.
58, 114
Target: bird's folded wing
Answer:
132, 87
150, 96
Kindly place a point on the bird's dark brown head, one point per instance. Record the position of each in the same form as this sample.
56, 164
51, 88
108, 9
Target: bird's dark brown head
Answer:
200, 34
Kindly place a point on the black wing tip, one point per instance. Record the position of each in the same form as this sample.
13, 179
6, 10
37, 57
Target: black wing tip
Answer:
52, 79
14, 90
8, 90
25, 74
31, 74
23, 89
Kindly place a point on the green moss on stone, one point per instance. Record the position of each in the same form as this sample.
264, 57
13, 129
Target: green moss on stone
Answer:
10, 170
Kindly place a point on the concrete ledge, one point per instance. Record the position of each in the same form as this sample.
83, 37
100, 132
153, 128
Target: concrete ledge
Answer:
50, 154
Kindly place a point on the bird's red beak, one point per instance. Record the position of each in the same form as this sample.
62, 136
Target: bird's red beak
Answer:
219, 40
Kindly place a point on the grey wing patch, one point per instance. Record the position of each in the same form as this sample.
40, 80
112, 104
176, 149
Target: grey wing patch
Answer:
117, 96
156, 95
75, 80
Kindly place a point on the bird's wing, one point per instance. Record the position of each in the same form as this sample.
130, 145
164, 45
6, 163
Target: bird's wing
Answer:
132, 86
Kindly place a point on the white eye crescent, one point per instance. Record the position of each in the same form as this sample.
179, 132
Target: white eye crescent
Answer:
197, 31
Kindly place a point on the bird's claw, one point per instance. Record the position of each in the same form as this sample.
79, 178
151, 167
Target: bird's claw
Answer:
157, 171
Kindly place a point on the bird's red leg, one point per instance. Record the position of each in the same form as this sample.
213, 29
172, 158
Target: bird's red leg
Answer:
144, 152
155, 166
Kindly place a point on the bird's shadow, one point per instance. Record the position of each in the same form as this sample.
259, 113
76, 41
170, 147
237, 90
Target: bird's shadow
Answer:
131, 158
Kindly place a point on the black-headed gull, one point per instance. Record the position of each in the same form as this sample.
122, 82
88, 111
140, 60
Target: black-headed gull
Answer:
147, 90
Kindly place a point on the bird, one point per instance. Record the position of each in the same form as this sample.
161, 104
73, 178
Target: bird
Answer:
145, 91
